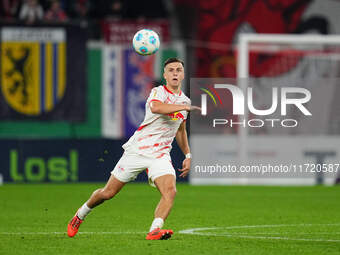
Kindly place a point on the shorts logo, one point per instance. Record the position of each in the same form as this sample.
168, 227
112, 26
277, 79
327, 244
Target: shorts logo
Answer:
33, 71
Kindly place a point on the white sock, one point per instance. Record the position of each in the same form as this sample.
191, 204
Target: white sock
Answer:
83, 211
157, 223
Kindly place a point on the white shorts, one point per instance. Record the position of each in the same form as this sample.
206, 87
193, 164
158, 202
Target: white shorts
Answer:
130, 165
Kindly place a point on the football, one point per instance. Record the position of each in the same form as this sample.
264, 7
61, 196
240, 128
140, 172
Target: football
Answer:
146, 42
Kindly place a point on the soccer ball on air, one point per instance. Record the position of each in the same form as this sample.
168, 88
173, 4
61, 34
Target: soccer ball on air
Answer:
146, 42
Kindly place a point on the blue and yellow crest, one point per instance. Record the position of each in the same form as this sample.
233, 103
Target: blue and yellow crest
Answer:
33, 70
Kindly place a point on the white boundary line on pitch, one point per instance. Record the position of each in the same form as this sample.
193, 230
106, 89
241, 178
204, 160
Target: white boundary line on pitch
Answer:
282, 233
194, 231
65, 233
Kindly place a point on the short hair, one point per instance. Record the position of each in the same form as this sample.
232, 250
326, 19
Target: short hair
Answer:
173, 60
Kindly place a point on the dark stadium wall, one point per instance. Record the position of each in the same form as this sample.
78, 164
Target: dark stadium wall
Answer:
65, 160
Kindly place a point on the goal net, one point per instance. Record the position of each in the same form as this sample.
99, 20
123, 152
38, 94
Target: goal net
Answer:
308, 61
306, 147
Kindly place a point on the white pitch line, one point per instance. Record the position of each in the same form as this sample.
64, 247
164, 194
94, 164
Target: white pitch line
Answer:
65, 233
268, 237
282, 233
191, 230
194, 231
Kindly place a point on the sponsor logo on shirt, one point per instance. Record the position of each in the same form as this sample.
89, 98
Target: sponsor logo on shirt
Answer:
176, 116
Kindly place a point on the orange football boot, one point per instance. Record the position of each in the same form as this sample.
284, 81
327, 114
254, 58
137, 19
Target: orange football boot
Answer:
73, 226
159, 234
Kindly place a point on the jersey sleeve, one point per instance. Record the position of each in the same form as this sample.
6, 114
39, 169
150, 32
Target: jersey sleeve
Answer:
156, 94
188, 102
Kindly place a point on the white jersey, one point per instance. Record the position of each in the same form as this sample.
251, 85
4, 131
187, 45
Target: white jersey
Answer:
156, 133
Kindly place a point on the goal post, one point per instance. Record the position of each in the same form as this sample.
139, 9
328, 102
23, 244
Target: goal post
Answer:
266, 65
273, 42
246, 39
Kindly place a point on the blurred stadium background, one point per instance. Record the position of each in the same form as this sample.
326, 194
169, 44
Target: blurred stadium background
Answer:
73, 90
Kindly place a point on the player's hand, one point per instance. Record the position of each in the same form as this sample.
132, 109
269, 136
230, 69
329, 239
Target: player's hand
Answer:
185, 167
193, 108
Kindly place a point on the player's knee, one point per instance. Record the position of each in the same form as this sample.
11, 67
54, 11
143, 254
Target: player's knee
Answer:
170, 193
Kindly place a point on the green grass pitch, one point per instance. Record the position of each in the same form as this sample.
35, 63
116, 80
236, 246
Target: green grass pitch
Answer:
205, 219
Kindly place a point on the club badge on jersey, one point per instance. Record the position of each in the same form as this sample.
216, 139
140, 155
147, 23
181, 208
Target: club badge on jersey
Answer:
176, 116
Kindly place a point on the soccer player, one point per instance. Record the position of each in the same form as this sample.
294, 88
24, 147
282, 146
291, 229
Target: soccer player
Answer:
166, 111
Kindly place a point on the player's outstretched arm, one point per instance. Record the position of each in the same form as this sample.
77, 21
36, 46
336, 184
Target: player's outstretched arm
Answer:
163, 108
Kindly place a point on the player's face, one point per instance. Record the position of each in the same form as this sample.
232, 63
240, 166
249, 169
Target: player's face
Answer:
174, 74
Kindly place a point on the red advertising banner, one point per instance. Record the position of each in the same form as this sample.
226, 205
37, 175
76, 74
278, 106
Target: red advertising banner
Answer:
122, 32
